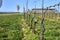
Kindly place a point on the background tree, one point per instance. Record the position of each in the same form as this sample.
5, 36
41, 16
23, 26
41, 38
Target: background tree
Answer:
18, 7
0, 3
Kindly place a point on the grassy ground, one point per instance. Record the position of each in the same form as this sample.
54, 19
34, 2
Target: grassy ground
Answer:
10, 26
14, 27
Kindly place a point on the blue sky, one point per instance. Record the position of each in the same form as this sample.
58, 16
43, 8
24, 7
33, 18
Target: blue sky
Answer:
10, 5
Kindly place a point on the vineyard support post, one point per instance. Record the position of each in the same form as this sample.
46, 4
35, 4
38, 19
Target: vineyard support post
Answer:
42, 24
24, 11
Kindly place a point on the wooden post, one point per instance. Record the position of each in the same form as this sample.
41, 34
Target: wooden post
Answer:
24, 11
42, 24
42, 30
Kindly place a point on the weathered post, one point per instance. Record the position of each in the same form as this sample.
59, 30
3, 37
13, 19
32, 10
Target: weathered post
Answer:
27, 9
35, 7
42, 23
42, 30
24, 11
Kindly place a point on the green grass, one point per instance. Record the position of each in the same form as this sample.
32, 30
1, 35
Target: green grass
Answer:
10, 25
11, 28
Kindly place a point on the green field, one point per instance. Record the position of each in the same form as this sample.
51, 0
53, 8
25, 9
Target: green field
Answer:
14, 27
